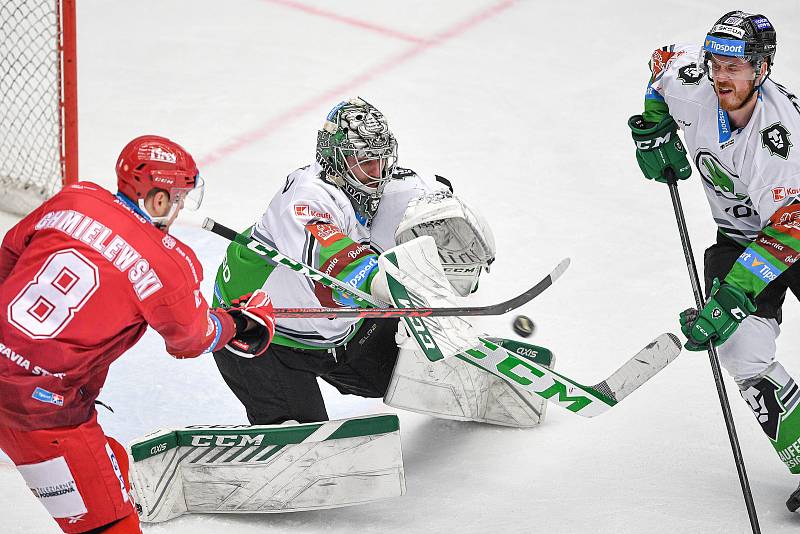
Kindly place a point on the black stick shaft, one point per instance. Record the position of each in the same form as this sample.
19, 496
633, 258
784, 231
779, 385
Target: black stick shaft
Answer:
380, 312
714, 359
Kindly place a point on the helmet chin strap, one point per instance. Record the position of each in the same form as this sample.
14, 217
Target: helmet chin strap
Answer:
163, 222
756, 86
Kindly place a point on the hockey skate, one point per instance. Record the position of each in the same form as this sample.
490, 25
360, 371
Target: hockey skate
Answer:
793, 502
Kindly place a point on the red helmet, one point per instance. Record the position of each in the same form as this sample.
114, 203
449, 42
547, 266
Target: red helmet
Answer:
150, 162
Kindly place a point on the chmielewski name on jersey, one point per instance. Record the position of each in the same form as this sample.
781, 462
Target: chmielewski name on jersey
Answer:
112, 247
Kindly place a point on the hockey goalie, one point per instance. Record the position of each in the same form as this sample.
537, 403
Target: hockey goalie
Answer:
309, 463
377, 233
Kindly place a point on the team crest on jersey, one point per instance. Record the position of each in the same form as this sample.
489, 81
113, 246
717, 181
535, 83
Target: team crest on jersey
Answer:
717, 175
168, 241
763, 400
775, 138
690, 74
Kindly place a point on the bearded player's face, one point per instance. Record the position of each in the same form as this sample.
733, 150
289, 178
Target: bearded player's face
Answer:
734, 81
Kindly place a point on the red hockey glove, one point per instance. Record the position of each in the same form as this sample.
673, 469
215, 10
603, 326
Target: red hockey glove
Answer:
255, 325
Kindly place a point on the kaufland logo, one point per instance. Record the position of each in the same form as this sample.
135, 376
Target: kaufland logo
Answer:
724, 47
780, 193
303, 210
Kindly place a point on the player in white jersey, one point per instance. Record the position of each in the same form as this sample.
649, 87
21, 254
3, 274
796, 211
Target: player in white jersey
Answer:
738, 126
337, 215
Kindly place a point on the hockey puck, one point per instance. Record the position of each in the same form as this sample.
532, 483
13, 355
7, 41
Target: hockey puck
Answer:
523, 325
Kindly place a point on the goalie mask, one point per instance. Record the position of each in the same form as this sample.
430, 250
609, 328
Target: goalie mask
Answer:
463, 238
358, 154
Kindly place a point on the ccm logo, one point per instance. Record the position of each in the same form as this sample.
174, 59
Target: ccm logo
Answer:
650, 144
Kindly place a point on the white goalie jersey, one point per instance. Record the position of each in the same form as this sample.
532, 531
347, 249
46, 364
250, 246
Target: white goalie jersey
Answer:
748, 173
410, 206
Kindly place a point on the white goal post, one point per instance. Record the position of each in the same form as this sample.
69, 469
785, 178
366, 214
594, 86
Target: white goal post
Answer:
38, 101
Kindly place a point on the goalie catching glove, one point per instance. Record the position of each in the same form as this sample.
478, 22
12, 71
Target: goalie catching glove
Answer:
255, 325
463, 238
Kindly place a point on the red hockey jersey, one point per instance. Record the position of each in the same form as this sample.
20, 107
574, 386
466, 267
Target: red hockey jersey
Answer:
81, 277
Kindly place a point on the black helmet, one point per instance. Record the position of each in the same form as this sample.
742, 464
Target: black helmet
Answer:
744, 35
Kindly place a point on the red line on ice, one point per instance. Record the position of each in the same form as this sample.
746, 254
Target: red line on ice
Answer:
387, 32
326, 99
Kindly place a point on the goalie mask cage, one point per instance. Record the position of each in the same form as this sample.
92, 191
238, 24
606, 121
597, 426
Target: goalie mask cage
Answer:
38, 101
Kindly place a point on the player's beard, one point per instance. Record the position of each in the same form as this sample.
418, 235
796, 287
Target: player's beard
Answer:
737, 98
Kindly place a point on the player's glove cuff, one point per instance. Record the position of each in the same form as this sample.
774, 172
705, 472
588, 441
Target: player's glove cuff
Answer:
726, 308
255, 326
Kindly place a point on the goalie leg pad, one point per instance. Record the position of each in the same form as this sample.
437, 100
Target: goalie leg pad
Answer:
455, 389
280, 468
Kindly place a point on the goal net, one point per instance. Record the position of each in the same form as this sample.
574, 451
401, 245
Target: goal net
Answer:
38, 123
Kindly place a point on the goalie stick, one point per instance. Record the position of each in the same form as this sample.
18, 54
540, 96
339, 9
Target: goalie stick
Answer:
588, 401
518, 370
382, 310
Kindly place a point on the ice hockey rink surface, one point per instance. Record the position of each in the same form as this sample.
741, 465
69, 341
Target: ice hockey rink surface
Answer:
523, 105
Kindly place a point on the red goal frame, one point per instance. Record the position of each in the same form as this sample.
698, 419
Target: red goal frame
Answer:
69, 92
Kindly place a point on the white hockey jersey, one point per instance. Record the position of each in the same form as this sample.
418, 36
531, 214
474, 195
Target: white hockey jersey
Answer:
747, 173
295, 223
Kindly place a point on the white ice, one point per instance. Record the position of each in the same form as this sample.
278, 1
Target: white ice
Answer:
523, 105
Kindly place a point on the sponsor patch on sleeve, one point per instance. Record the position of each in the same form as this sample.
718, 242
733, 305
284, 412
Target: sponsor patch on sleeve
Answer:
758, 266
326, 234
49, 397
660, 59
304, 211
782, 193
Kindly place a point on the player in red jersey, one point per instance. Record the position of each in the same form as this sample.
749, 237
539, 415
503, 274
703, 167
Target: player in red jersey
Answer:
81, 278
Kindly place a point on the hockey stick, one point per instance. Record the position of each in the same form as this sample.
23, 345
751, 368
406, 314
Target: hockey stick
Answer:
382, 311
712, 355
588, 401
275, 255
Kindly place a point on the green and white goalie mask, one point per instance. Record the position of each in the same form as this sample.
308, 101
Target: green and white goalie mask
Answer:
463, 237
358, 154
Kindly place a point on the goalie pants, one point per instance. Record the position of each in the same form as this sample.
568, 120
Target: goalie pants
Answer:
281, 385
78, 473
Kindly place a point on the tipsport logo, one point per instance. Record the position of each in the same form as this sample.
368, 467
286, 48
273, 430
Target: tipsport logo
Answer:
724, 47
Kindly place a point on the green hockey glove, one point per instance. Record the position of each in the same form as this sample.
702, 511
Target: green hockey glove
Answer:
717, 321
658, 148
